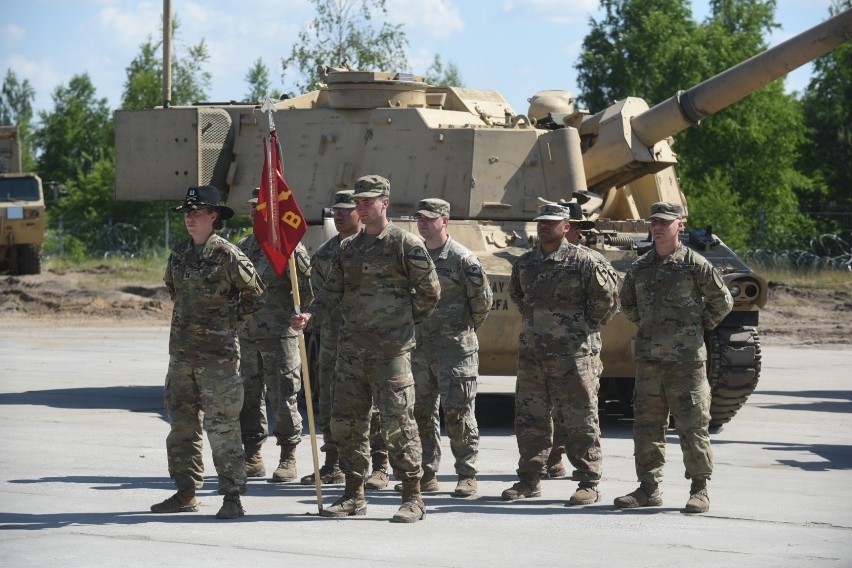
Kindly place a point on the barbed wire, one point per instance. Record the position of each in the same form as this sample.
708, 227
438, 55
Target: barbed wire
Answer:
828, 251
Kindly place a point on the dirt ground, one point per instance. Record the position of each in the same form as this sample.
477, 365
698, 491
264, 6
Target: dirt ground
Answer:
792, 316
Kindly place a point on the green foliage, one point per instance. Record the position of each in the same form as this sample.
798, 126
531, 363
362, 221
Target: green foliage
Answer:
16, 108
258, 81
441, 75
345, 32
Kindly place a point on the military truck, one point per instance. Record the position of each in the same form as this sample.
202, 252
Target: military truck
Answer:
469, 147
22, 219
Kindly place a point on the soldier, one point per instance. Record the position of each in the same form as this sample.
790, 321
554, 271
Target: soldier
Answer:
674, 295
577, 223
386, 284
347, 224
213, 285
446, 360
565, 295
270, 362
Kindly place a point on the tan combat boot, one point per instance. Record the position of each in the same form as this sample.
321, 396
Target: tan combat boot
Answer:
647, 495
181, 502
351, 503
428, 483
286, 470
527, 487
254, 461
699, 501
330, 473
413, 508
465, 487
232, 508
586, 494
554, 467
379, 477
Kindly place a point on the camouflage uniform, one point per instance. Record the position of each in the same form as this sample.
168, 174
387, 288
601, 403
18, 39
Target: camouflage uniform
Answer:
269, 348
213, 288
564, 298
382, 290
673, 300
445, 362
320, 268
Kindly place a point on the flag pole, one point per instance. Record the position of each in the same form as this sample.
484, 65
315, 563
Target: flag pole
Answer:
269, 106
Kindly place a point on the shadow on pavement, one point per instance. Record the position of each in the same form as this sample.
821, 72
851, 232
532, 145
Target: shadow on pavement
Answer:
133, 398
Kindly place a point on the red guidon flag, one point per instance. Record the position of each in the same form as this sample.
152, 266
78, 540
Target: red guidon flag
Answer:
278, 224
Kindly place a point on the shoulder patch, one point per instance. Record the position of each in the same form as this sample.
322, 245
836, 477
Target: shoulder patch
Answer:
474, 274
417, 257
604, 276
303, 263
246, 269
717, 278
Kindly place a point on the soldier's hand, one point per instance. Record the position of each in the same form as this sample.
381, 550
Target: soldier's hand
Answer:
299, 321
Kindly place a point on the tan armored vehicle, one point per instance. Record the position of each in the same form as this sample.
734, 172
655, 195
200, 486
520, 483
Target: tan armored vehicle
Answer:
469, 147
21, 208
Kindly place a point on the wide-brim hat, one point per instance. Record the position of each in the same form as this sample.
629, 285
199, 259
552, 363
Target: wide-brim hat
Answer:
204, 197
577, 218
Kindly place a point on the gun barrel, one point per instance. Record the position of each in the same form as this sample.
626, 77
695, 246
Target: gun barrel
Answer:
688, 108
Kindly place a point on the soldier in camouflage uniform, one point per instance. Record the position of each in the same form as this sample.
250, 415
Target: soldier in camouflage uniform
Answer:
347, 225
270, 361
674, 295
565, 295
446, 360
385, 284
213, 286
577, 223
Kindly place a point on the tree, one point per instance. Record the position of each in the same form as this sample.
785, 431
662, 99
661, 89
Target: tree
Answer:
258, 80
738, 168
144, 85
345, 31
827, 158
438, 75
16, 108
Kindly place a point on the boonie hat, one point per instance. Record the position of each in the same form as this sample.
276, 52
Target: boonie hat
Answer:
254, 194
576, 217
552, 212
433, 208
371, 186
343, 199
204, 197
666, 210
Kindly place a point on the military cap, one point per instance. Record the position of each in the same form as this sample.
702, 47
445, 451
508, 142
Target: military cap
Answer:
666, 210
343, 199
577, 218
254, 194
552, 212
433, 208
204, 197
372, 186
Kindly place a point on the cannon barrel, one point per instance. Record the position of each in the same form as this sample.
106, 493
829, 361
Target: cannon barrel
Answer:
688, 108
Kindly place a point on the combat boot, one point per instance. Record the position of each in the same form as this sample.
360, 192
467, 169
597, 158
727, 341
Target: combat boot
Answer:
554, 467
254, 461
351, 503
180, 502
232, 508
527, 487
428, 483
465, 487
286, 470
586, 494
699, 501
330, 473
379, 477
647, 495
413, 508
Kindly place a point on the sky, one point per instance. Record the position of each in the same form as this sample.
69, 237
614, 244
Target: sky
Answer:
516, 47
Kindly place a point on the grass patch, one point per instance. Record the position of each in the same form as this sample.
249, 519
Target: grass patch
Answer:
97, 273
815, 279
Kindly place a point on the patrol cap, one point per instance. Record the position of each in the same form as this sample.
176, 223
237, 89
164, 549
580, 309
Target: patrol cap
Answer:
552, 212
577, 218
343, 199
371, 186
254, 194
666, 210
433, 208
204, 197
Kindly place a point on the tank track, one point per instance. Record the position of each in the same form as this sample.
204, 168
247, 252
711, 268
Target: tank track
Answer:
733, 355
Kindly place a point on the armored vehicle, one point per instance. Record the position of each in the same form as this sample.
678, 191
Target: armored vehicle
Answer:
21, 208
469, 147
